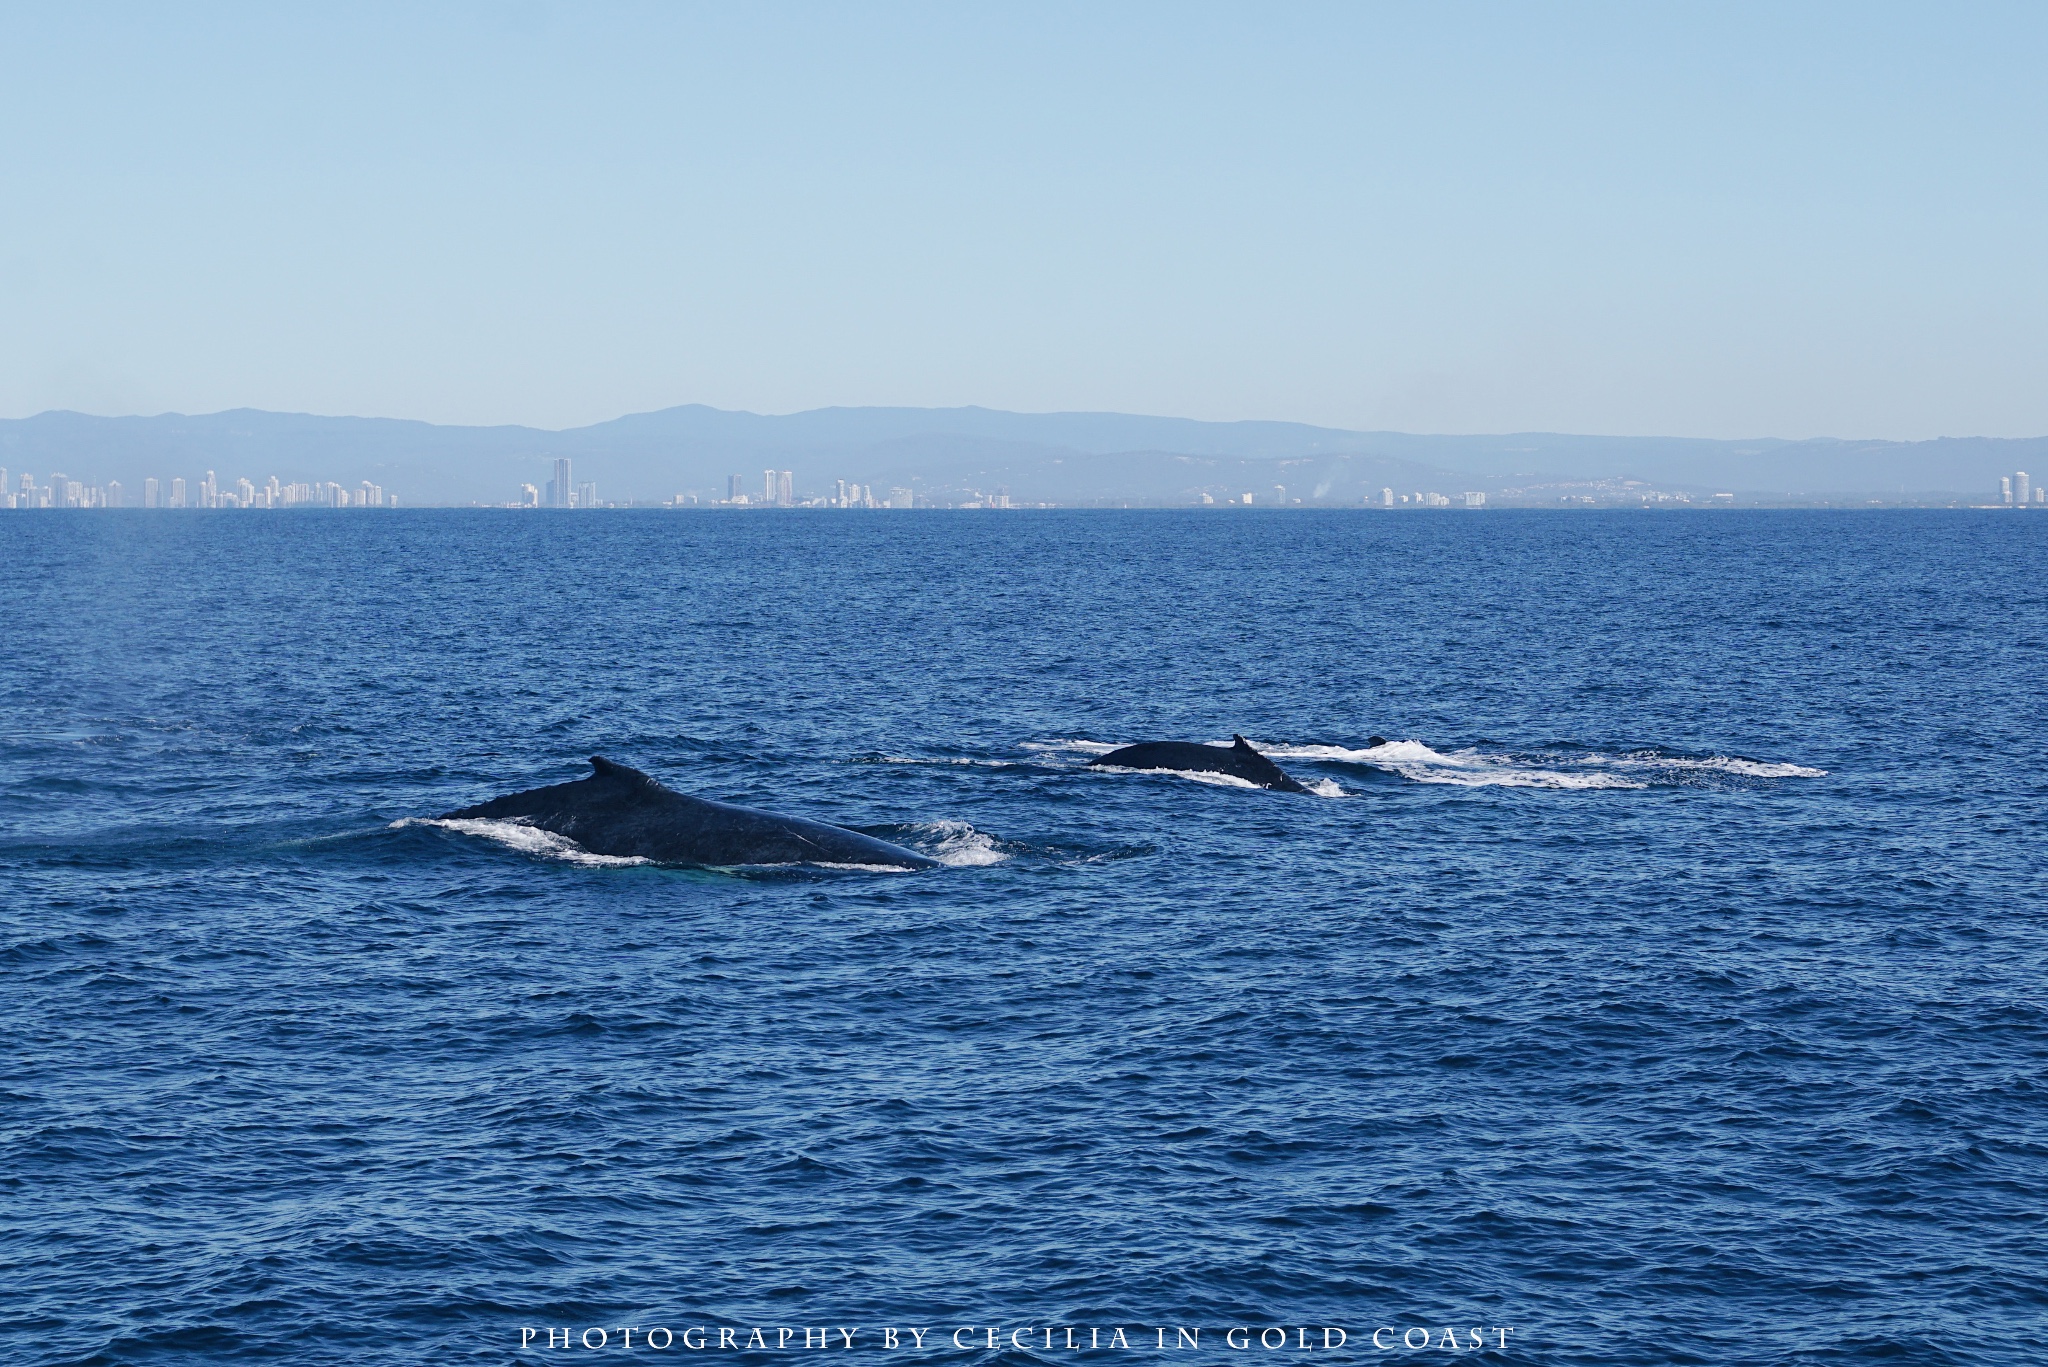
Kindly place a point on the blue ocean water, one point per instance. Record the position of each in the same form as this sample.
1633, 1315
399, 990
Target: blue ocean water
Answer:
1672, 991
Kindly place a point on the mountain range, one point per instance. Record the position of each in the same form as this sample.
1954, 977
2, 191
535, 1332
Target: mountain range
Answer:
953, 455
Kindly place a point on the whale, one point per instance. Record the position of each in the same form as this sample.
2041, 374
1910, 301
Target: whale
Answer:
623, 812
1240, 760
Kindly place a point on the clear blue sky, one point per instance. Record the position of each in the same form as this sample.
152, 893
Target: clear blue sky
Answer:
1715, 220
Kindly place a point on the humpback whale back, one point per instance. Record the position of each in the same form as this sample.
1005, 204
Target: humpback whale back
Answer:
1240, 761
620, 811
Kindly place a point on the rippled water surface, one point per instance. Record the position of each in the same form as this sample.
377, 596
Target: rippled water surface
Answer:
1670, 990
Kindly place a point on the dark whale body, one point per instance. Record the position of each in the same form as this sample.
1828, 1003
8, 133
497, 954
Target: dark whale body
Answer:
620, 811
1239, 761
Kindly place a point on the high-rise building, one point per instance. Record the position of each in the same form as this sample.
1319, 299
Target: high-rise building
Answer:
1473, 500
152, 496
2022, 492
1386, 498
59, 484
114, 493
586, 495
178, 492
768, 483
785, 490
732, 489
838, 496
561, 493
2005, 488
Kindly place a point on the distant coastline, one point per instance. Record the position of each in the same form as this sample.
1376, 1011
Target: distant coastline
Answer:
968, 458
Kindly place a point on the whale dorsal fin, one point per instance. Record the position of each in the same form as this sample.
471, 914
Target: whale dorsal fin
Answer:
1240, 743
604, 768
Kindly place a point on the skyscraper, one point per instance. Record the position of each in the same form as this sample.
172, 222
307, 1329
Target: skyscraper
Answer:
768, 487
785, 490
152, 496
178, 492
2005, 488
732, 489
2022, 491
586, 495
561, 493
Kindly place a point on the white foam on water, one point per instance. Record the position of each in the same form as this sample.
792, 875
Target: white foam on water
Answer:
1757, 768
1413, 760
958, 845
926, 759
1323, 787
1198, 775
532, 840
1749, 768
1337, 752
821, 864
1083, 747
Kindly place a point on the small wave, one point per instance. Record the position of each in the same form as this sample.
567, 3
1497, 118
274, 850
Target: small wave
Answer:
526, 839
1413, 760
1748, 768
925, 759
812, 864
1472, 768
1080, 747
955, 844
1198, 775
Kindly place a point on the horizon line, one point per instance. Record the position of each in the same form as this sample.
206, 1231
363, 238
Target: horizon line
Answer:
1004, 412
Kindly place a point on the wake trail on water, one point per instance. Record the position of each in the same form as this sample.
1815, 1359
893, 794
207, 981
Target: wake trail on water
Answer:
1413, 760
1563, 769
530, 840
1556, 768
955, 844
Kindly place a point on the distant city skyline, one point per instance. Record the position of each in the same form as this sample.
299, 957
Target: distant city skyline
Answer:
965, 458
60, 491
1722, 221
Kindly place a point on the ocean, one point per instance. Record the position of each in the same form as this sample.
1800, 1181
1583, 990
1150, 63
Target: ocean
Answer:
1669, 990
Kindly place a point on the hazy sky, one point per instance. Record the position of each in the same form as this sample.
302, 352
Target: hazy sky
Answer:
1713, 220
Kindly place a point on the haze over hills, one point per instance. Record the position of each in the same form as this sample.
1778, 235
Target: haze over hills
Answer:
950, 455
